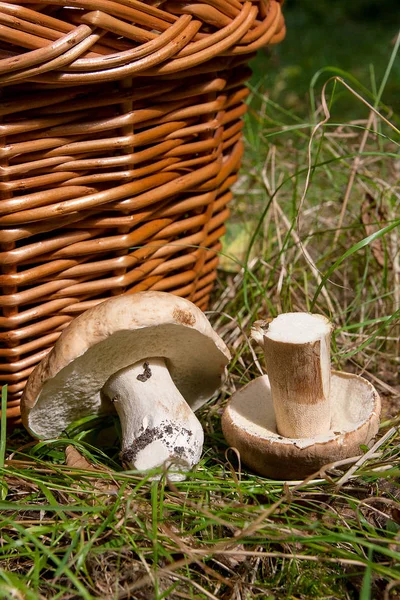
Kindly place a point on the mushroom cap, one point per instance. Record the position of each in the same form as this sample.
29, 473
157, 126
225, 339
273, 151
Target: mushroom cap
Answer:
116, 333
248, 424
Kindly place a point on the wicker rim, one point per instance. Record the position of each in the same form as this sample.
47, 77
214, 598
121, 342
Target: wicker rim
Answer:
65, 54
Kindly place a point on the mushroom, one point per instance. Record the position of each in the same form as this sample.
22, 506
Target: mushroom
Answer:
152, 357
302, 415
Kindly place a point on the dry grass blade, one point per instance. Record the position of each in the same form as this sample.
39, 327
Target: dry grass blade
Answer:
366, 457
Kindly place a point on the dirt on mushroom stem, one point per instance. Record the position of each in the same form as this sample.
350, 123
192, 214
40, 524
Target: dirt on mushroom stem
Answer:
163, 431
158, 426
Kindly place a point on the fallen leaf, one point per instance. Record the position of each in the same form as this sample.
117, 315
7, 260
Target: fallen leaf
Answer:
374, 217
235, 244
75, 460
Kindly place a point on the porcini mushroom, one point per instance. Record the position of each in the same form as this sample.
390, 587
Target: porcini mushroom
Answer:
302, 415
152, 357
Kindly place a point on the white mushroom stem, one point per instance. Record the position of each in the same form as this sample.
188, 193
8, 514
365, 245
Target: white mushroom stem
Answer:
158, 426
297, 355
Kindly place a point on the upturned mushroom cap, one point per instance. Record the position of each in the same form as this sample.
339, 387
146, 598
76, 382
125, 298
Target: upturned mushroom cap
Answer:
249, 425
119, 332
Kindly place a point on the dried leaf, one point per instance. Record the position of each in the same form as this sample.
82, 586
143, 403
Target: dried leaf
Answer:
374, 217
75, 460
396, 515
235, 245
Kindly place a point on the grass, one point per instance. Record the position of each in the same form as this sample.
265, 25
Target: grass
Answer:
73, 532
324, 39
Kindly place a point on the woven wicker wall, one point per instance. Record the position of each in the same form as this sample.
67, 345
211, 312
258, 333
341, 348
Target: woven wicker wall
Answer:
120, 139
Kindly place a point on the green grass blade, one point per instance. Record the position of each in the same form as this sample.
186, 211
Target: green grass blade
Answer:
355, 248
3, 425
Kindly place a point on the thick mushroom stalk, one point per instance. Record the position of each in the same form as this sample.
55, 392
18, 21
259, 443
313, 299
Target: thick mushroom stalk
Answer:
158, 426
297, 357
302, 415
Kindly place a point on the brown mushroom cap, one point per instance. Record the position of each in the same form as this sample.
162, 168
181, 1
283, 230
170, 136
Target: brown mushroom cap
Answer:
248, 424
117, 333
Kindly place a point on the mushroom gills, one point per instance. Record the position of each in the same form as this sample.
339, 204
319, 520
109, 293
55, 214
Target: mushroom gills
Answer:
158, 426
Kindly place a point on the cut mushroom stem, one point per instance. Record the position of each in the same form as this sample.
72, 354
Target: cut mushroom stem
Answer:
301, 416
158, 426
297, 356
249, 425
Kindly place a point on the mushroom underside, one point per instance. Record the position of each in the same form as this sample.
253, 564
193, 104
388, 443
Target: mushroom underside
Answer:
193, 361
249, 425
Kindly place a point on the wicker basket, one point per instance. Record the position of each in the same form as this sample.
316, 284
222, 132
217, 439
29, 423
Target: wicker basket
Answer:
121, 126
